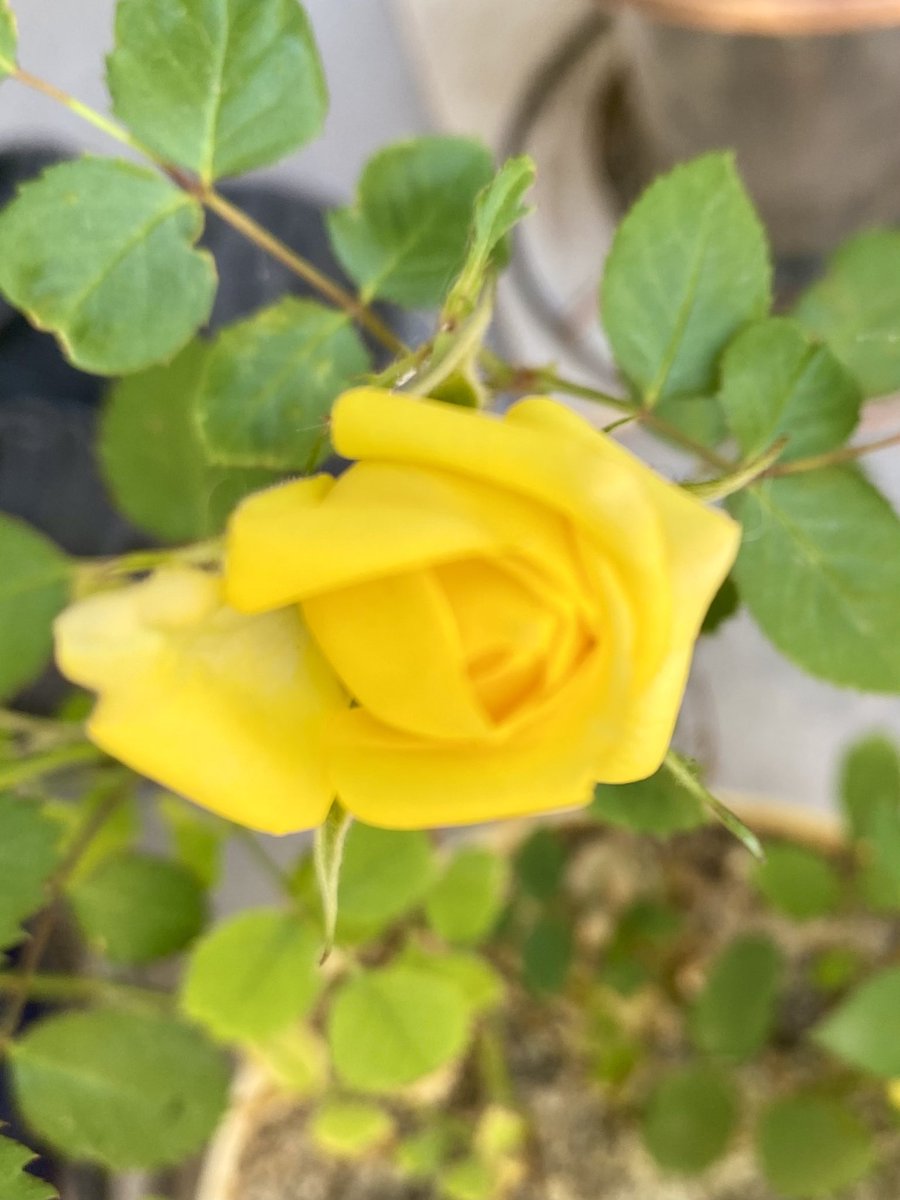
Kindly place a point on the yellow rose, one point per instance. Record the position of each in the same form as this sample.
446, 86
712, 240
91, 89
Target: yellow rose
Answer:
511, 603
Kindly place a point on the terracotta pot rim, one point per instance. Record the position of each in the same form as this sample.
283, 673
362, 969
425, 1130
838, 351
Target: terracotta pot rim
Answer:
773, 17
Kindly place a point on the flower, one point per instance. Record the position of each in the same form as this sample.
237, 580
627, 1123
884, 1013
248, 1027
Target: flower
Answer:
481, 618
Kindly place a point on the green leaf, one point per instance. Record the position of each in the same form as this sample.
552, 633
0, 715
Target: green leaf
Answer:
698, 417
812, 1146
481, 985
658, 805
466, 901
390, 1027
135, 908
101, 254
690, 1119
155, 462
198, 838
819, 569
499, 207
726, 604
798, 882
870, 793
855, 309
870, 780
404, 239
350, 1128
547, 955
835, 968
295, 1058
865, 1029
28, 853
540, 864
271, 381
644, 939
253, 975
501, 1135
34, 586
9, 39
689, 267
422, 1155
777, 382
385, 874
735, 1013
468, 1179
218, 86
119, 831
121, 1089
14, 1183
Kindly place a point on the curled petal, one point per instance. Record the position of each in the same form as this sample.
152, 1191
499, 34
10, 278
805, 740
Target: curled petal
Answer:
225, 709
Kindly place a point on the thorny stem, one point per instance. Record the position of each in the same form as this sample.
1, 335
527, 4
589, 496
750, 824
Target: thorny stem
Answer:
35, 766
43, 928
834, 457
51, 987
39, 730
261, 237
110, 128
740, 477
230, 213
544, 379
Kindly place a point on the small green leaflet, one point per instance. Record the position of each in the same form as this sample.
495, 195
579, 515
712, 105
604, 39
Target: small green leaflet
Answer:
101, 253
218, 86
153, 457
870, 794
498, 208
855, 309
778, 383
819, 569
253, 975
689, 267
690, 1119
659, 805
465, 903
865, 1029
28, 853
812, 1145
266, 395
135, 908
404, 238
735, 1013
121, 1089
14, 1183
391, 1027
34, 586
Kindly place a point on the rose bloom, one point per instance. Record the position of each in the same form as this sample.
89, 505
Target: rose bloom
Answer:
482, 617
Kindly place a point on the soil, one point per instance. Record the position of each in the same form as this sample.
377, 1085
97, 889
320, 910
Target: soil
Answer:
586, 1143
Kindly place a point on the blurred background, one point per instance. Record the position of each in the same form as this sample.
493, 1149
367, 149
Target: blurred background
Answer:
604, 97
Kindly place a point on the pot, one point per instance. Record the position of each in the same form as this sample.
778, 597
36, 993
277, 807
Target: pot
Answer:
804, 90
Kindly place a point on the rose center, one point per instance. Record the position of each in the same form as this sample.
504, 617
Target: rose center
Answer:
520, 637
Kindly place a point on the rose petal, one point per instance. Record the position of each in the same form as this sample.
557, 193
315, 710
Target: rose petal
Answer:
225, 709
395, 645
314, 535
